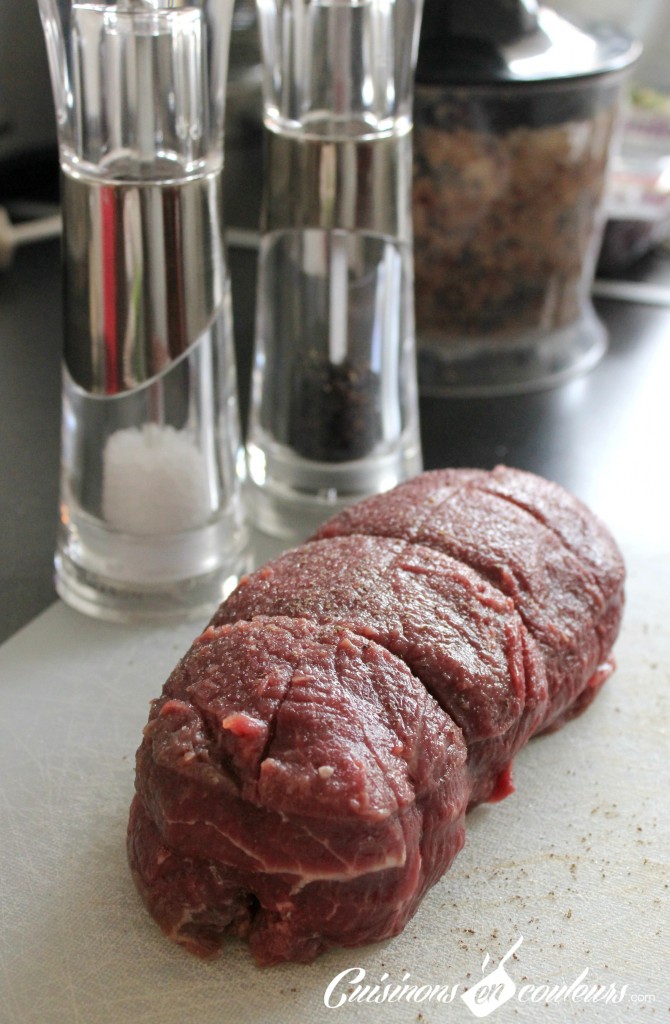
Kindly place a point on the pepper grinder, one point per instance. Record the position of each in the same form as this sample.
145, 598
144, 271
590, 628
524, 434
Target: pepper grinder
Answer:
151, 520
334, 409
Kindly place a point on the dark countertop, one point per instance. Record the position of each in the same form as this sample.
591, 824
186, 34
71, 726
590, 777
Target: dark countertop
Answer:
604, 435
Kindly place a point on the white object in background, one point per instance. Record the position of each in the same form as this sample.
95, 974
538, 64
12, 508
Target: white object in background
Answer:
654, 66
636, 18
14, 235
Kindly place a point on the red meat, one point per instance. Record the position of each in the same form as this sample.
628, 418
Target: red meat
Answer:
304, 776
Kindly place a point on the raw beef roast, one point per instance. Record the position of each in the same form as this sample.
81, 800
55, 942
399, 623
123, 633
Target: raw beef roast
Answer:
304, 777
460, 636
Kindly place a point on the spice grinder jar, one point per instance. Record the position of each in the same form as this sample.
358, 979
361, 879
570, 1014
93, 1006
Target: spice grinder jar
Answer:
514, 126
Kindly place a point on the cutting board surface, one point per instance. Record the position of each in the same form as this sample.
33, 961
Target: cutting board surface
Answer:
576, 861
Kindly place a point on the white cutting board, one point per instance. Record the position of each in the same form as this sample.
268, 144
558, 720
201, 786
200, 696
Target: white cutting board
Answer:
577, 861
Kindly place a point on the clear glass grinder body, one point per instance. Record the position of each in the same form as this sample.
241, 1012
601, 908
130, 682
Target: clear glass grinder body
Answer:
150, 514
334, 400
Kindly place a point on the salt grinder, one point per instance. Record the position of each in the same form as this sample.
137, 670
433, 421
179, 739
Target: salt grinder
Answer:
151, 521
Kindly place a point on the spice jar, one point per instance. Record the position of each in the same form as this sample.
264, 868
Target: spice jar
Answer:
514, 125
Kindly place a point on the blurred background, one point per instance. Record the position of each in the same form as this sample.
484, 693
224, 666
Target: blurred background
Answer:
28, 158
639, 200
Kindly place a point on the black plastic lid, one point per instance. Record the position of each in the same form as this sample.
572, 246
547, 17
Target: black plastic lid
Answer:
466, 42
